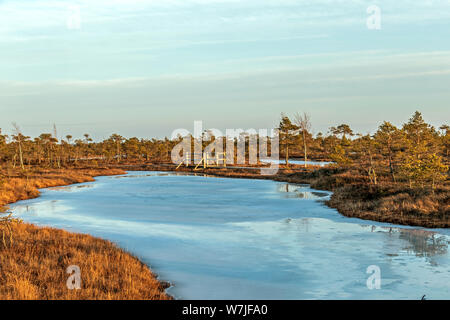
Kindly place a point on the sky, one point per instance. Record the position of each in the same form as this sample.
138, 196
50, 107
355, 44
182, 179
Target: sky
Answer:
147, 67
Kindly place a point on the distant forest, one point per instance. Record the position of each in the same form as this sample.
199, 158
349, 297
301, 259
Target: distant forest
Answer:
416, 154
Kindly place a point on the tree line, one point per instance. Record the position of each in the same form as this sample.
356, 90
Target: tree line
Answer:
415, 153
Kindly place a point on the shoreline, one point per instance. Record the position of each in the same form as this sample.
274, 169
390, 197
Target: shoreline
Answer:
54, 178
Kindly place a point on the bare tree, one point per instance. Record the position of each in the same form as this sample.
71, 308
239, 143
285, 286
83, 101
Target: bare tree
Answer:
18, 137
57, 150
303, 121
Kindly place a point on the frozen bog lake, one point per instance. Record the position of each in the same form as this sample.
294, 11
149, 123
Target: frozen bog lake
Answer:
219, 238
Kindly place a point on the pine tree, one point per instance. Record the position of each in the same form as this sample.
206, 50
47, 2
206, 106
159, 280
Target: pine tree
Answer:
389, 140
434, 170
286, 135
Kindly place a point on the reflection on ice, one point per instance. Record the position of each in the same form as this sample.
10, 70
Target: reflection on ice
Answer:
156, 174
231, 238
418, 242
425, 243
72, 187
301, 191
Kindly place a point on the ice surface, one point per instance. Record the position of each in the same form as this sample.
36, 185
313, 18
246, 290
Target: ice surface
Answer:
219, 238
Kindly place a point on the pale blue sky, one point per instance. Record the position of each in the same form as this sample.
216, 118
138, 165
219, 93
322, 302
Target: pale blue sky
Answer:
144, 68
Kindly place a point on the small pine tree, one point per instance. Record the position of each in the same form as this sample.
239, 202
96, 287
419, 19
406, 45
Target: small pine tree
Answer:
434, 170
339, 155
286, 134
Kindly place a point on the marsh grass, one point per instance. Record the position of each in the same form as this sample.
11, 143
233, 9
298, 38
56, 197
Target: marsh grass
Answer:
18, 185
35, 268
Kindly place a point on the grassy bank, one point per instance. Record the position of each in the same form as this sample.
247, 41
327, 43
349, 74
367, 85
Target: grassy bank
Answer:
34, 265
354, 196
18, 185
35, 268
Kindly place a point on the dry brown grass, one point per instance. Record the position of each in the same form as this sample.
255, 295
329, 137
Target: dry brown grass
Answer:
386, 201
18, 185
35, 268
